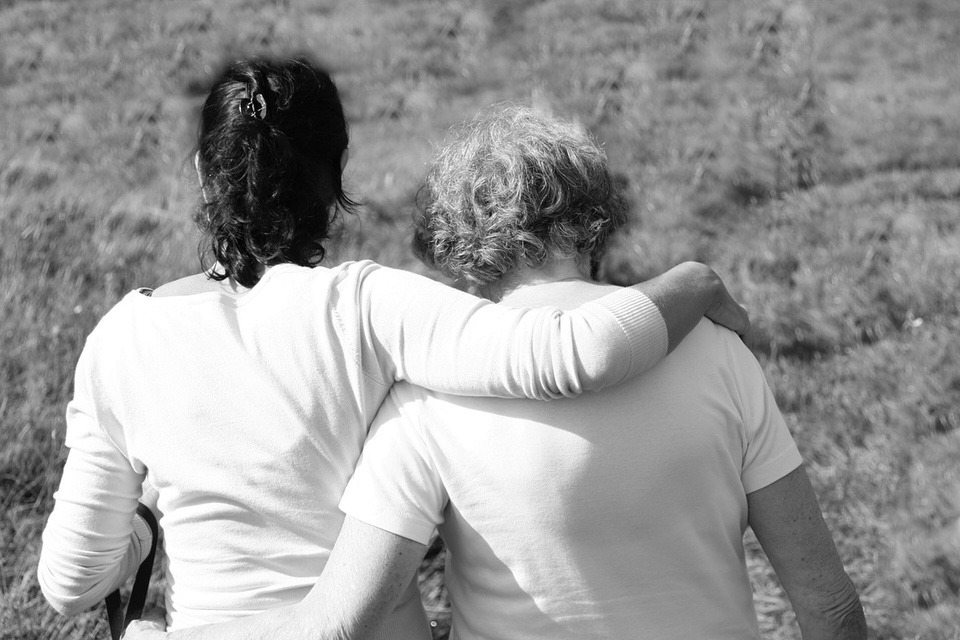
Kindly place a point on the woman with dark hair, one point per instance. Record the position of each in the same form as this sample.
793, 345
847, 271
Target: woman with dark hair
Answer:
272, 145
243, 394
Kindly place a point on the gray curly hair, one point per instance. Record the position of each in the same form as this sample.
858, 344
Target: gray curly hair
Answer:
515, 188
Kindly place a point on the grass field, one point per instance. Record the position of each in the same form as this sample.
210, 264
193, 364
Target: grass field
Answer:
809, 150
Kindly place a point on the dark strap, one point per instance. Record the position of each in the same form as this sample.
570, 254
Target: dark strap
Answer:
138, 595
115, 614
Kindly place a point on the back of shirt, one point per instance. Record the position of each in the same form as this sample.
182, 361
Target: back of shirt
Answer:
617, 514
247, 414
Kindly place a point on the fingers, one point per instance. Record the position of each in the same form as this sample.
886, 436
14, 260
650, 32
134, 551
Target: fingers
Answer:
728, 313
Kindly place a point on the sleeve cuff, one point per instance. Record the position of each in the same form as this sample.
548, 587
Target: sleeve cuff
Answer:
771, 471
643, 325
408, 526
141, 539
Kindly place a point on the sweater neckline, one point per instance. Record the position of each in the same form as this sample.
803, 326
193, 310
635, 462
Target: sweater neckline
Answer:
223, 296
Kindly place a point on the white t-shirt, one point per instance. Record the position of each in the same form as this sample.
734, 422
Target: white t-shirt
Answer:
613, 515
247, 414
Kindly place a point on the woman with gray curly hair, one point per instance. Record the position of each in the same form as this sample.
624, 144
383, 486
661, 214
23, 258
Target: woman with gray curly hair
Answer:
614, 515
514, 192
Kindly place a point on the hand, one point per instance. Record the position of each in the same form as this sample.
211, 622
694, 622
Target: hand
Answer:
727, 312
689, 292
153, 626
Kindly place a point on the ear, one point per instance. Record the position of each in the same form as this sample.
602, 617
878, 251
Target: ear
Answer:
344, 157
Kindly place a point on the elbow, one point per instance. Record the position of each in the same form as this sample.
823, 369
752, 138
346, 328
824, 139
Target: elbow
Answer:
64, 603
847, 617
838, 611
66, 606
300, 621
64, 594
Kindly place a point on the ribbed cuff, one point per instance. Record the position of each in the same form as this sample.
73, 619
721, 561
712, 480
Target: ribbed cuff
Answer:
142, 536
643, 324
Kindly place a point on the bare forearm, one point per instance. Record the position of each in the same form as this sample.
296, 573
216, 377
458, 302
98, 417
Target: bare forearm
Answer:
688, 292
285, 623
270, 625
364, 577
790, 527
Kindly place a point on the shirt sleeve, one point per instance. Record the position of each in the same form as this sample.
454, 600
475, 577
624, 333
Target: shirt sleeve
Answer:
396, 487
437, 337
90, 543
770, 452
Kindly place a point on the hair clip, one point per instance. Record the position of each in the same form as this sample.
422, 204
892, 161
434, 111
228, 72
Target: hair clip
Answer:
255, 107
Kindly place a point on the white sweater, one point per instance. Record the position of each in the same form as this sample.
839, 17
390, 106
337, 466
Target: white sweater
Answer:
247, 413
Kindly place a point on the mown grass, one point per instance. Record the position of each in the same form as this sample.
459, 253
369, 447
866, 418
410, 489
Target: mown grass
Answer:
809, 150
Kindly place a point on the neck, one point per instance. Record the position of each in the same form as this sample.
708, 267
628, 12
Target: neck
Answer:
232, 285
554, 270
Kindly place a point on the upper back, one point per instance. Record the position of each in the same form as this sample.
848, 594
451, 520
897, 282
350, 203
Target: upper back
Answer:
248, 413
594, 515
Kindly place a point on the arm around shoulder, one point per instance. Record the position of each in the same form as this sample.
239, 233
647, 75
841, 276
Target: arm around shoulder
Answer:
419, 330
446, 340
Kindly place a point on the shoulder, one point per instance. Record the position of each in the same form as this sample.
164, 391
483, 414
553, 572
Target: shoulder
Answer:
408, 398
712, 350
407, 406
370, 276
106, 346
118, 318
736, 352
709, 340
386, 293
354, 278
354, 269
196, 283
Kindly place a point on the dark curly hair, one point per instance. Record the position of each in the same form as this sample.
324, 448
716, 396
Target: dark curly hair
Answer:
271, 138
515, 188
